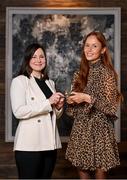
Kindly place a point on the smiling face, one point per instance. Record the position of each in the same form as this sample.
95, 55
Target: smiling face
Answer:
93, 48
37, 62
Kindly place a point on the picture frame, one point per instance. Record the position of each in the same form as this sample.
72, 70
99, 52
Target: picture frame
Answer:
61, 30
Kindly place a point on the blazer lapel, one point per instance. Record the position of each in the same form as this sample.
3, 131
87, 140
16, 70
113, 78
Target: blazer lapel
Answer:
36, 89
50, 85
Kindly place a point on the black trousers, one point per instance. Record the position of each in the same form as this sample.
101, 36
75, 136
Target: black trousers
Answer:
35, 165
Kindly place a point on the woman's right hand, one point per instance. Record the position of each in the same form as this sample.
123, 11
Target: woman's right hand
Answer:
55, 98
69, 100
78, 97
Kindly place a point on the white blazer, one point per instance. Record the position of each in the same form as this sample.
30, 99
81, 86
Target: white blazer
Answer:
37, 130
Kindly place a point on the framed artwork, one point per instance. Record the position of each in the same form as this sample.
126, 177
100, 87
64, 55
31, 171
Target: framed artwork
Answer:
61, 31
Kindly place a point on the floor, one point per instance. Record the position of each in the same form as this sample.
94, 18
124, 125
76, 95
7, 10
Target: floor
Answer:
64, 169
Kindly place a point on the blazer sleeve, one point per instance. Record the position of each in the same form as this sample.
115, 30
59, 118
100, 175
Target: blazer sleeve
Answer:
20, 107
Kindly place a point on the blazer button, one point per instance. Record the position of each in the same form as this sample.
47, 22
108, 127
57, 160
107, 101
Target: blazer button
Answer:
39, 120
32, 98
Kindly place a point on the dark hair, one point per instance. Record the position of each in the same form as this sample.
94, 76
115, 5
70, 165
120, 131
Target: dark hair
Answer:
29, 52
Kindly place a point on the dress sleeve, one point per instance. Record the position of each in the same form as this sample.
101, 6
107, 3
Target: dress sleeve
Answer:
106, 97
103, 96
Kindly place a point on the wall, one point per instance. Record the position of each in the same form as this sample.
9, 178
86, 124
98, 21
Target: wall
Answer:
7, 165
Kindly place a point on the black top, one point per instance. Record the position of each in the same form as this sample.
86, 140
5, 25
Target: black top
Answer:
44, 87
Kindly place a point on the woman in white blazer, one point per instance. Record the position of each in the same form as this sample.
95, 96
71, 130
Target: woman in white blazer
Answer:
36, 104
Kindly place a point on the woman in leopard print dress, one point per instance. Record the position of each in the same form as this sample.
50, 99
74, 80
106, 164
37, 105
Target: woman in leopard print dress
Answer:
92, 145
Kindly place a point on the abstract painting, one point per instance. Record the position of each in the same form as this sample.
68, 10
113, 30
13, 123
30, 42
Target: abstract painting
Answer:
61, 32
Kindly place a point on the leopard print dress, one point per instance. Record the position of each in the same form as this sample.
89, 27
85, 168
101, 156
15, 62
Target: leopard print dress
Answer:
92, 142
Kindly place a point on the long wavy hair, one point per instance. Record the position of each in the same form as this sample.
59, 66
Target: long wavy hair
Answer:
82, 78
25, 69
